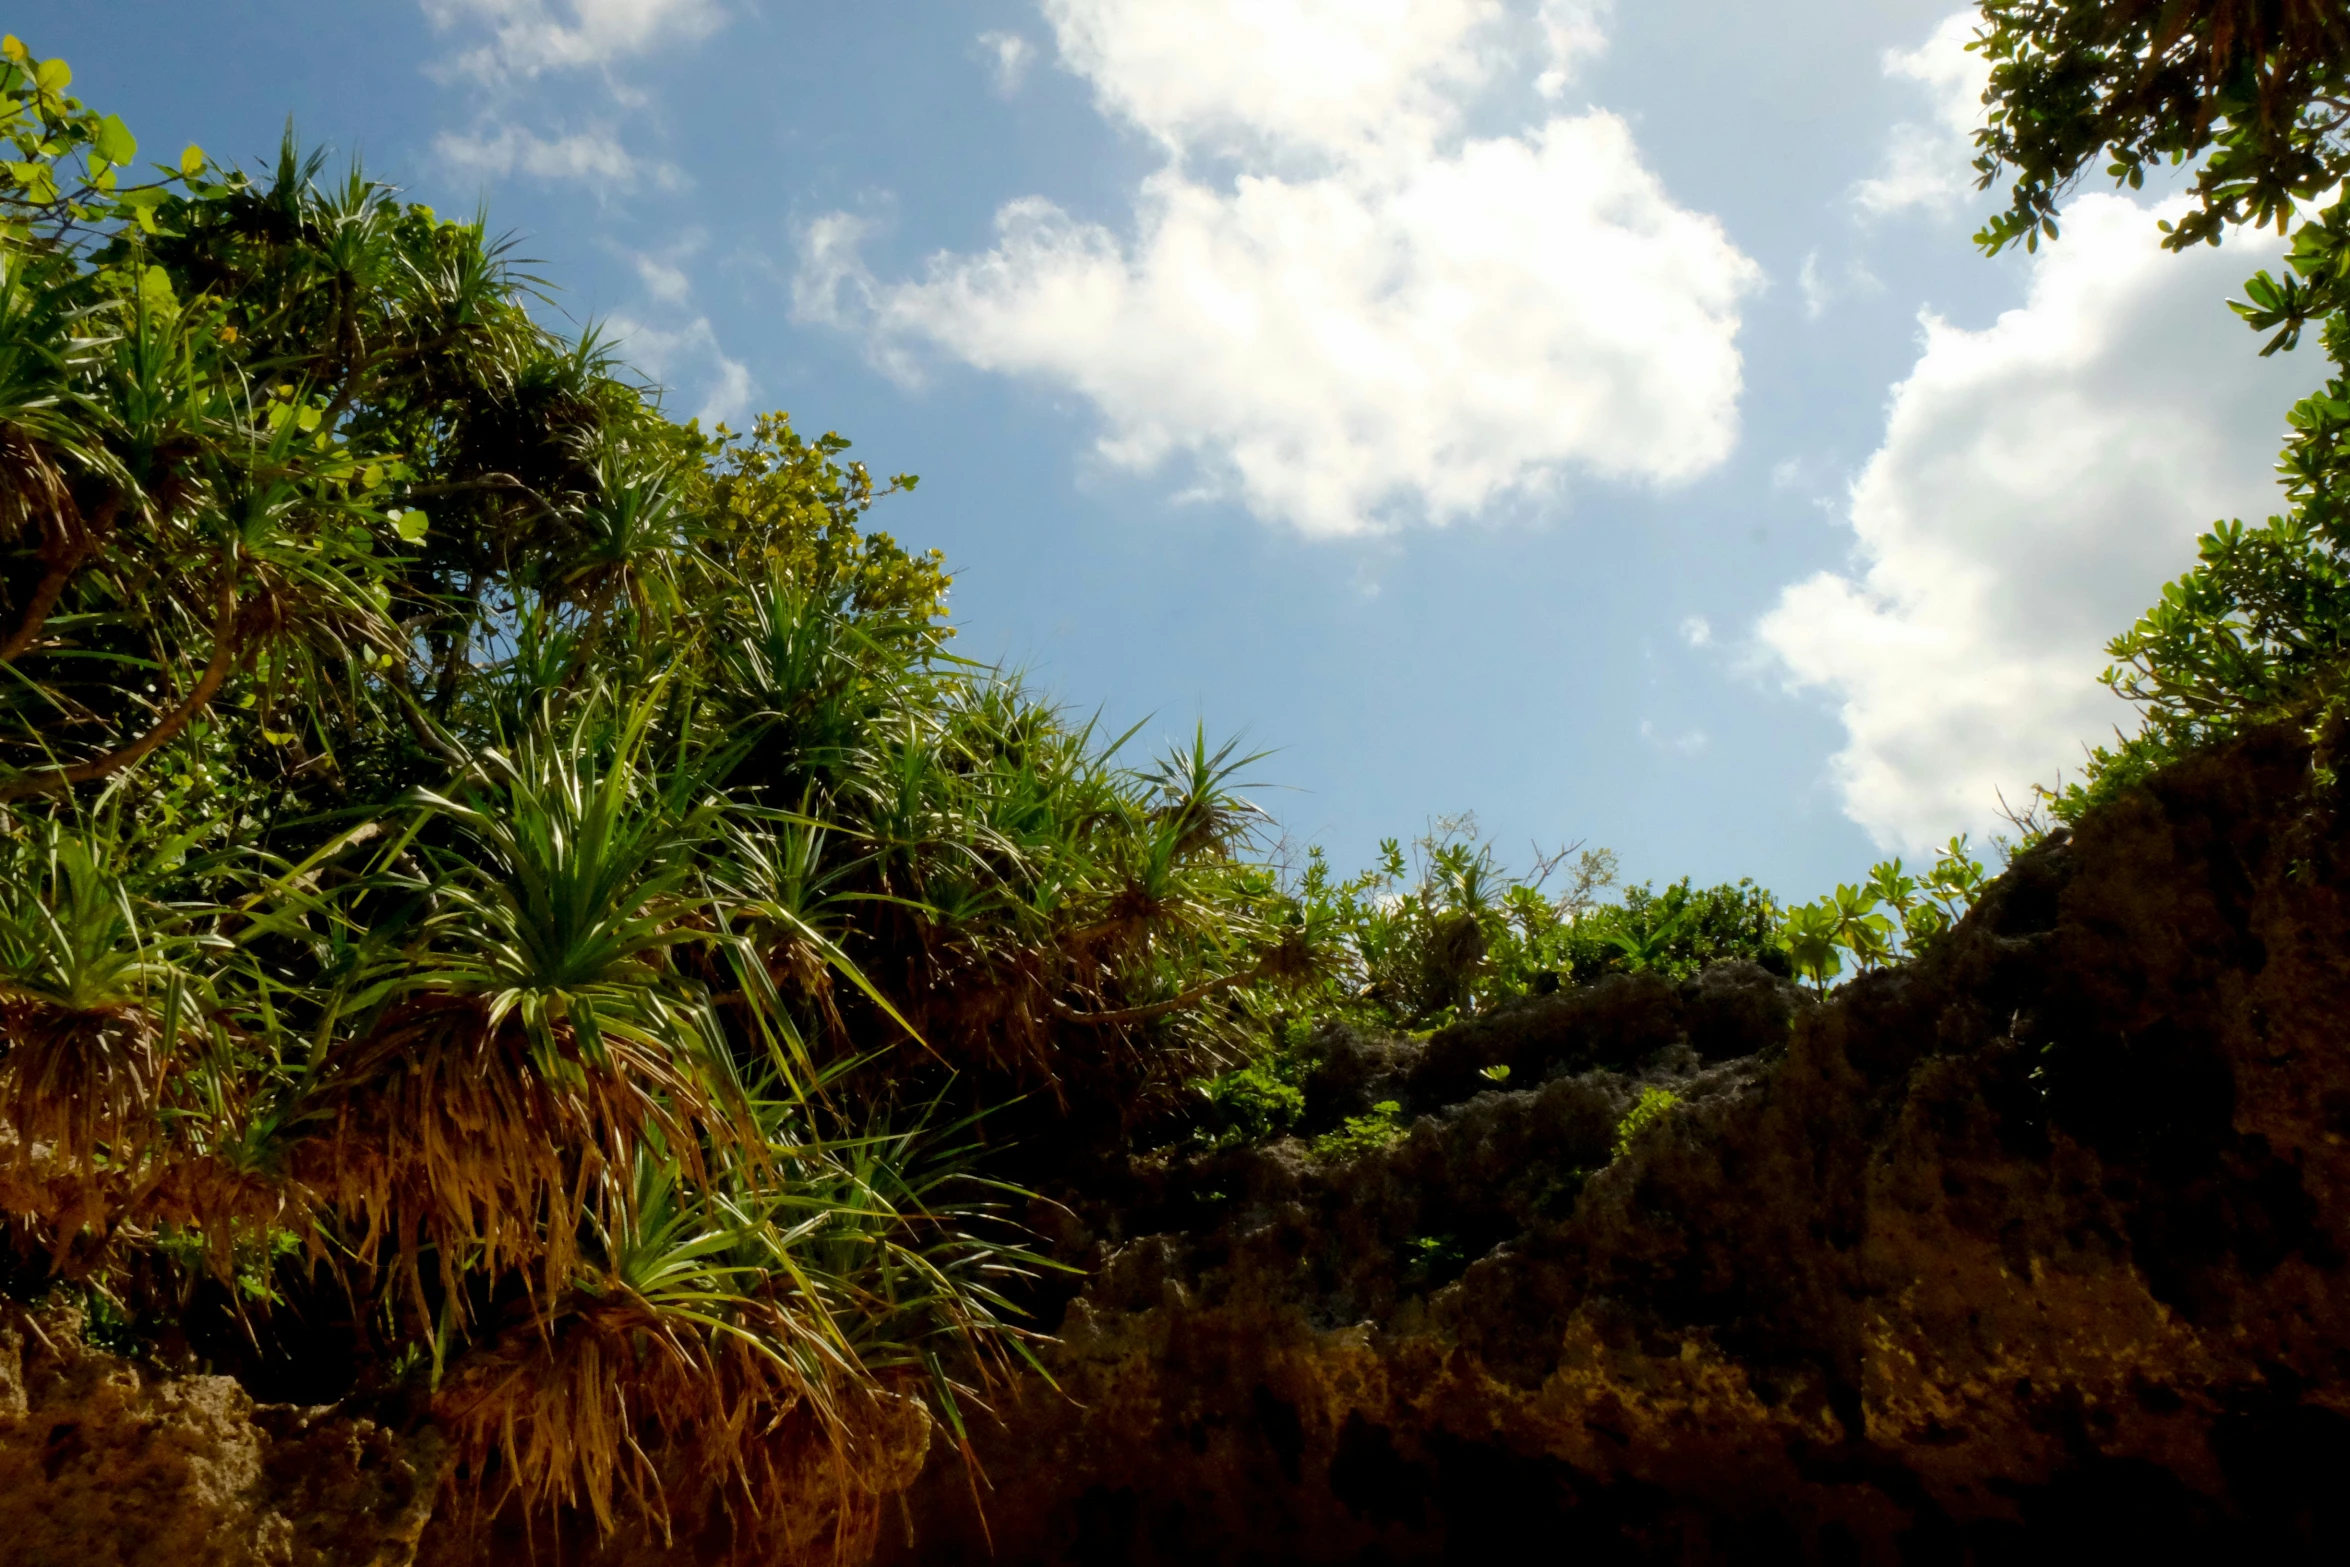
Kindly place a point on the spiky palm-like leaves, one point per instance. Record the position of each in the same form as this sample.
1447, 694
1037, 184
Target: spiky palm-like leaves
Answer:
515, 1064
482, 859
93, 1011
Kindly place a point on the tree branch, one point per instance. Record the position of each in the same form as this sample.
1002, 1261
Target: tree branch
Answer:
36, 610
224, 657
1143, 1014
73, 547
427, 735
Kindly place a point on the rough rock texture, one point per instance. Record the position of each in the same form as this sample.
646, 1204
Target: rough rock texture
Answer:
2033, 1250
834, 1525
106, 1462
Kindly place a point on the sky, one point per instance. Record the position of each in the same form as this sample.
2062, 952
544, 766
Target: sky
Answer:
1592, 417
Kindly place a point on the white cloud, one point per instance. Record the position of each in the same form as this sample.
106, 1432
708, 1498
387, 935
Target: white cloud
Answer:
2040, 479
591, 157
1008, 57
689, 354
1697, 631
1572, 31
1372, 319
1287, 76
663, 272
663, 278
527, 37
1931, 163
1818, 292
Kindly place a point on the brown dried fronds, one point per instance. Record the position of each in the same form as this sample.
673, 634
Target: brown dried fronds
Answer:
714, 1428
450, 1131
82, 1089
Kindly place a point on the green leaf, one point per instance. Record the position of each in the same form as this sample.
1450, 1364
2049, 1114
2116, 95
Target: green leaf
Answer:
53, 75
411, 525
192, 161
114, 141
155, 291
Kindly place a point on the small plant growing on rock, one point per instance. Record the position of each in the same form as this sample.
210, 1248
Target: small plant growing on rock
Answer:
1817, 936
1653, 1105
1362, 1134
1255, 1104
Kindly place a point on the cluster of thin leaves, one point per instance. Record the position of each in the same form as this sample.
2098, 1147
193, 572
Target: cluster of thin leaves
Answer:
478, 851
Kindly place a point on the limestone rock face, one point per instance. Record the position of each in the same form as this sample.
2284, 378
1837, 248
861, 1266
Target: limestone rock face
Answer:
2031, 1250
106, 1462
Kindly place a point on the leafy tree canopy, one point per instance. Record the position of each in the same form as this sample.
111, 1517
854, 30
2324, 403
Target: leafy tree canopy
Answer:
2258, 90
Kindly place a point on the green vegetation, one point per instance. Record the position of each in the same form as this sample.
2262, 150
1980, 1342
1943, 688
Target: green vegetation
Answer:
2258, 96
498, 887
1416, 943
1878, 920
1653, 1105
1362, 1134
1262, 1099
1448, 933
511, 912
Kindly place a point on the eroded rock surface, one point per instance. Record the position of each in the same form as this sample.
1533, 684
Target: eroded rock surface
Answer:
107, 1462
2032, 1250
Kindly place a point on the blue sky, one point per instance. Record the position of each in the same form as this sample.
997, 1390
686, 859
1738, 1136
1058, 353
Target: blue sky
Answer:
1591, 417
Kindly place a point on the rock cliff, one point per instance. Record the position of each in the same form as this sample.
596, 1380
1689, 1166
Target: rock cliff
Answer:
107, 1462
2032, 1249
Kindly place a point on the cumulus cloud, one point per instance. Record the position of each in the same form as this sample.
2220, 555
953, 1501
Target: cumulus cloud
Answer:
1572, 31
2038, 482
1373, 317
1280, 76
1930, 163
528, 37
592, 157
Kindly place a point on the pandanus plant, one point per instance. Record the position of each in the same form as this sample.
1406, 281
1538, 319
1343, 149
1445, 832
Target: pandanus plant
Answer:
100, 1020
486, 862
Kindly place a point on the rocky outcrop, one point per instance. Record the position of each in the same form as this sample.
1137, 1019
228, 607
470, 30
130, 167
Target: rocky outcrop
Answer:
2030, 1250
109, 1462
